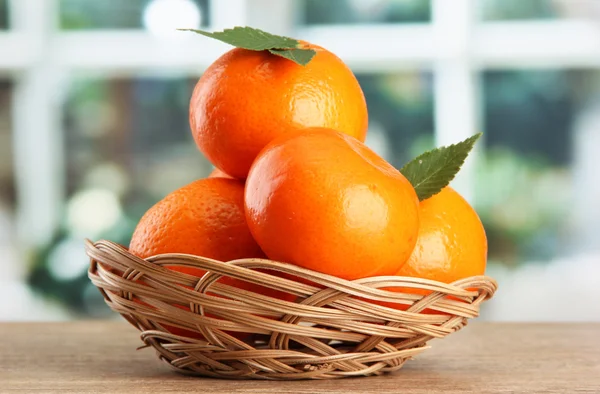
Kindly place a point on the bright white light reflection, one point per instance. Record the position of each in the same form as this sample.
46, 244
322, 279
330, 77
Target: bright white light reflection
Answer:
163, 17
68, 260
92, 211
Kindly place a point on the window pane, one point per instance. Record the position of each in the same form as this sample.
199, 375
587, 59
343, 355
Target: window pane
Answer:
317, 12
127, 144
7, 180
11, 264
538, 190
3, 14
400, 114
138, 125
538, 9
130, 14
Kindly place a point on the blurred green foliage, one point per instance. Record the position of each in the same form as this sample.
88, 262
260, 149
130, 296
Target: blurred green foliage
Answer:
523, 203
523, 188
519, 9
78, 293
4, 17
110, 14
530, 112
316, 12
128, 139
401, 104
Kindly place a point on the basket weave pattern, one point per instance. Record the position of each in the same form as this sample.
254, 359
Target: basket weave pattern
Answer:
331, 331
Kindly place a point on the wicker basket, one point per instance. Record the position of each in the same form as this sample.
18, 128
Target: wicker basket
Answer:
332, 331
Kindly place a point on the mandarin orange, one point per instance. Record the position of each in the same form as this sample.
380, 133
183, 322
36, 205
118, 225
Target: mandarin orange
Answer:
247, 98
205, 218
322, 200
451, 244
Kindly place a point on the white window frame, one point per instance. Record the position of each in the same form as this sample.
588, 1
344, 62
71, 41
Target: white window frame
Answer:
38, 57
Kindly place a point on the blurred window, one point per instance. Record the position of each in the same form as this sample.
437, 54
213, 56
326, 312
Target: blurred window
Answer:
537, 9
319, 12
7, 178
130, 137
4, 15
535, 185
124, 120
10, 266
126, 14
126, 143
400, 114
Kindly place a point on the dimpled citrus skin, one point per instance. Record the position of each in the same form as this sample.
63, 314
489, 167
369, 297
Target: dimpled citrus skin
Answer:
205, 218
246, 98
324, 201
452, 244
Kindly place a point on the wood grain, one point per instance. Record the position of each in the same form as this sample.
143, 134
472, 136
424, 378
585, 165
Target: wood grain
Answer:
83, 357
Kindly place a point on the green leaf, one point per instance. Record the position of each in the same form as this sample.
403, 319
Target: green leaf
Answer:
432, 171
258, 40
299, 56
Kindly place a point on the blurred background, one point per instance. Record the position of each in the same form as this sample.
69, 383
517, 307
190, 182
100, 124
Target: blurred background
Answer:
94, 129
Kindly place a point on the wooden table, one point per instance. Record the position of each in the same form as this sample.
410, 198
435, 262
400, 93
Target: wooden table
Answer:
482, 358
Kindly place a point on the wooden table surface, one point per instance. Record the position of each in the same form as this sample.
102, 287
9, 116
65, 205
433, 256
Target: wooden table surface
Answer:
482, 358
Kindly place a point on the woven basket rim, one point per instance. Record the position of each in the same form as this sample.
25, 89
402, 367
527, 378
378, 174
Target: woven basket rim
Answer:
334, 328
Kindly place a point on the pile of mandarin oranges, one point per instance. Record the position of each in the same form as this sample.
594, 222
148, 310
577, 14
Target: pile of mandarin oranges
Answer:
294, 182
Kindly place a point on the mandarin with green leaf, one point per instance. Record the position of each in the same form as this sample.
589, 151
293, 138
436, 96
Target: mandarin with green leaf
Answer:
247, 98
433, 170
451, 243
322, 200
